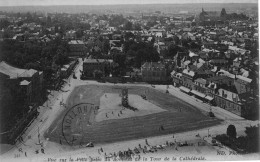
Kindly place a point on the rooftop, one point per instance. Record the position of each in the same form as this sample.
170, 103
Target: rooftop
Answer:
76, 42
24, 82
188, 72
153, 65
200, 80
9, 70
96, 60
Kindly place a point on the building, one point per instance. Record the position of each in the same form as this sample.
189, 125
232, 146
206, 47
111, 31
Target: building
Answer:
77, 48
29, 82
243, 84
91, 65
153, 72
234, 95
176, 78
188, 77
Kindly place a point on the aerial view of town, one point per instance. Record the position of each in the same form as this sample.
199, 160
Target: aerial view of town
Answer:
139, 80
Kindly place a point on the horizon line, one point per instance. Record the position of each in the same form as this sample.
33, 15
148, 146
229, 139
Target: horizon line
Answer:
128, 4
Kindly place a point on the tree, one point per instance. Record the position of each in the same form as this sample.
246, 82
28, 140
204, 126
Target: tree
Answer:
231, 131
129, 35
119, 59
137, 27
79, 33
4, 23
131, 53
106, 46
128, 25
150, 24
117, 20
223, 12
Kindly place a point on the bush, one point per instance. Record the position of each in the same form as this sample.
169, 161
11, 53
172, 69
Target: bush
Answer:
231, 131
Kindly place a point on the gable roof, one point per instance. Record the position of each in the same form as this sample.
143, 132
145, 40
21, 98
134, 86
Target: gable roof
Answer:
202, 81
188, 72
24, 82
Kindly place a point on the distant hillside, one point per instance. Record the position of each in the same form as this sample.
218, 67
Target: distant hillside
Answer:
126, 9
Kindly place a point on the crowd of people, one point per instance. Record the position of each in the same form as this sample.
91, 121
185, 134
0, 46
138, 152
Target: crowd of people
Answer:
129, 154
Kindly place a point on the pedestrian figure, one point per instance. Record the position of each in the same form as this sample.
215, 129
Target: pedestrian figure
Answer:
172, 136
118, 115
140, 145
146, 141
106, 115
112, 112
121, 112
37, 151
25, 154
98, 151
42, 150
161, 128
101, 149
20, 150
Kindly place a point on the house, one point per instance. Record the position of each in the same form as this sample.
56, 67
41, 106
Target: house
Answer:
219, 62
243, 84
179, 58
200, 85
153, 72
176, 78
237, 62
228, 99
188, 78
200, 90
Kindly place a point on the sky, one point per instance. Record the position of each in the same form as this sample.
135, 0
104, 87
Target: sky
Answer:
113, 2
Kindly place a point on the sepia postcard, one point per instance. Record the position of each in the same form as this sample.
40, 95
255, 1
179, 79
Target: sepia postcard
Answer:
120, 80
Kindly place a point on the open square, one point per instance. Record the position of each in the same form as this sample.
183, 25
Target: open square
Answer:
113, 122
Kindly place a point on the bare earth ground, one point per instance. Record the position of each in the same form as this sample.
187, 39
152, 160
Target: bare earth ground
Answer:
159, 109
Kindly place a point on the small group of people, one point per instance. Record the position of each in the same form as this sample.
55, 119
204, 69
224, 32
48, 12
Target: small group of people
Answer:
42, 151
100, 150
120, 156
118, 114
161, 128
135, 153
